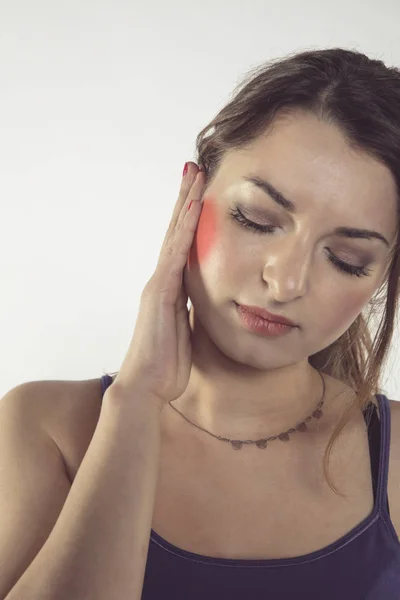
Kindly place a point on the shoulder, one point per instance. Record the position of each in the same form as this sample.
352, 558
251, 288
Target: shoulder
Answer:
54, 401
394, 465
394, 407
68, 411
395, 427
394, 461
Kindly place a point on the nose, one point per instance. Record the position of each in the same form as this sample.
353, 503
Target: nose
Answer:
287, 270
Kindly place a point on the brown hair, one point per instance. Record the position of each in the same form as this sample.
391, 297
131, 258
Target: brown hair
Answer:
361, 97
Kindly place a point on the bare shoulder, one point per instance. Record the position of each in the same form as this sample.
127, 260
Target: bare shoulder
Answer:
394, 457
69, 412
395, 432
394, 465
394, 407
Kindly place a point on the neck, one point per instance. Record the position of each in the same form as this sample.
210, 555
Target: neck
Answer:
243, 402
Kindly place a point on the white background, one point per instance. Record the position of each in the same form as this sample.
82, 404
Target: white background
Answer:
100, 104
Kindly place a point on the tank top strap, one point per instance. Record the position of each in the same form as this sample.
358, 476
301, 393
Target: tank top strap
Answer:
106, 381
384, 452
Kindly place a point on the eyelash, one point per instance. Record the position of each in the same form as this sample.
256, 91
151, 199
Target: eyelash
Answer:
339, 264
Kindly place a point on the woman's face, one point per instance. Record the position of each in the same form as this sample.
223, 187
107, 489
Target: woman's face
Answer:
289, 270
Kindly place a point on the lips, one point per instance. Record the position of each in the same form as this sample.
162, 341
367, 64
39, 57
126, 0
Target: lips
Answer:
264, 314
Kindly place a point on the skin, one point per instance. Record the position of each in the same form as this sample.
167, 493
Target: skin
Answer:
243, 385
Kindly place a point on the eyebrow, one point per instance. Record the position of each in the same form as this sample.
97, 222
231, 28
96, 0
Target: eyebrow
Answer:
280, 199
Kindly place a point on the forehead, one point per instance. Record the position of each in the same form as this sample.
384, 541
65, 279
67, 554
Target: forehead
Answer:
310, 162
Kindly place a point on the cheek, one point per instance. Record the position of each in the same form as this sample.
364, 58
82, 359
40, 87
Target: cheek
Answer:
334, 320
206, 236
352, 304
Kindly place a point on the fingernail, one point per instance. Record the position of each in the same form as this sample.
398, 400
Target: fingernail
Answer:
185, 169
190, 204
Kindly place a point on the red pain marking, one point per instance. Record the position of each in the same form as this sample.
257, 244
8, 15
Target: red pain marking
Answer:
206, 234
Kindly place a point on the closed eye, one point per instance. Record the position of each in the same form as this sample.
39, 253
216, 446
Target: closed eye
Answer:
342, 266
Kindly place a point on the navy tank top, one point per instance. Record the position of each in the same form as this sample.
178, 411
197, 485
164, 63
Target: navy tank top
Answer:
364, 564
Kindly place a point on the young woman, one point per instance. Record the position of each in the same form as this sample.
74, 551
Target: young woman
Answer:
243, 448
